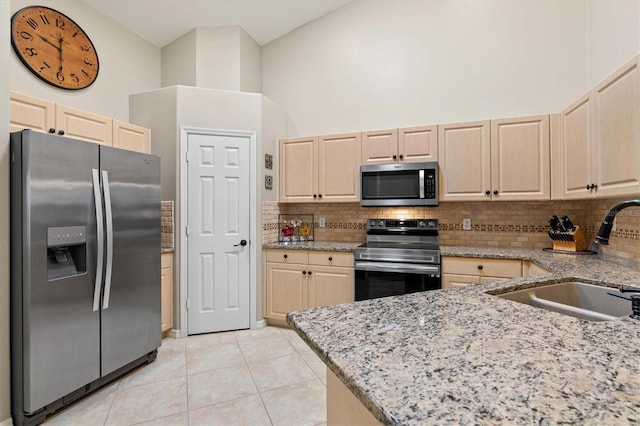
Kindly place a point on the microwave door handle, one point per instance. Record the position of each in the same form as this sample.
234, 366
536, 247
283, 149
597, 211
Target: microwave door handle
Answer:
421, 173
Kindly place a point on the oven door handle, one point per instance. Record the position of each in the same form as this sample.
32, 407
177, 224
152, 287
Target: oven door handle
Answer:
398, 267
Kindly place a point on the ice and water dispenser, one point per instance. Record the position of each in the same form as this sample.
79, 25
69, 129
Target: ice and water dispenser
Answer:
66, 251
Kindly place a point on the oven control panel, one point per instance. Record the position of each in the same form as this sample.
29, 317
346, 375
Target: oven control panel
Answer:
428, 224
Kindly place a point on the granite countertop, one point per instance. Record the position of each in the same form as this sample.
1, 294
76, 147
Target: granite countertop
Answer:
314, 245
463, 356
166, 250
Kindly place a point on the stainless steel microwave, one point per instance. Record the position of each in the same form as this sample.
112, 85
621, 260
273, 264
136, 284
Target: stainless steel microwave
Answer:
407, 184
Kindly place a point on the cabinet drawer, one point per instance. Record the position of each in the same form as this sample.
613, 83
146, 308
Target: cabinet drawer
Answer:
288, 256
506, 268
331, 258
166, 260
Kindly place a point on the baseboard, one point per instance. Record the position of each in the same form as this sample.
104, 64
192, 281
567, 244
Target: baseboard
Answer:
7, 422
260, 324
173, 333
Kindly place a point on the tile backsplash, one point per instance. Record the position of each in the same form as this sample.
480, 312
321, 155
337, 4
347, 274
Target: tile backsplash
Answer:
493, 224
166, 224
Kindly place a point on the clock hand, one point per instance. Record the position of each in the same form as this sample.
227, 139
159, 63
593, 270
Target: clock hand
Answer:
46, 40
60, 54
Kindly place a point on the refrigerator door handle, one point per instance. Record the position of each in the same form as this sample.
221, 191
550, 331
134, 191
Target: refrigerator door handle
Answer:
100, 237
109, 221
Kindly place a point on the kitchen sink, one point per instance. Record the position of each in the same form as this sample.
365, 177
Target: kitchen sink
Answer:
577, 299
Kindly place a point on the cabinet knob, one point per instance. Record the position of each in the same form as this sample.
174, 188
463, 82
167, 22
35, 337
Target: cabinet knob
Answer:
61, 132
495, 192
588, 187
304, 272
330, 258
480, 267
52, 130
401, 157
286, 255
394, 157
487, 192
309, 272
315, 196
319, 195
596, 187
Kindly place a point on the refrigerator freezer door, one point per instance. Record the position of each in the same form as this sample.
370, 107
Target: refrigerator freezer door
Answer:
131, 320
60, 332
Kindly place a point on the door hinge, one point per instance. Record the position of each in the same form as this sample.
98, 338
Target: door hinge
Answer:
186, 156
187, 304
187, 230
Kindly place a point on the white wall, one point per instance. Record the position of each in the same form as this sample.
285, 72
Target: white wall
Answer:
613, 34
128, 64
5, 394
389, 63
179, 61
218, 58
250, 64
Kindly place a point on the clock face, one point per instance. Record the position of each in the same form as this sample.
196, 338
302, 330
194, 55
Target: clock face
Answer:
54, 47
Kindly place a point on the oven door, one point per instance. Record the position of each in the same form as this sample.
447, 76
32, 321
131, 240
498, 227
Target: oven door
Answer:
381, 279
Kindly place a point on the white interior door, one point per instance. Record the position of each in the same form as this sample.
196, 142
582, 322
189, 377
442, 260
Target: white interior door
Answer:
218, 206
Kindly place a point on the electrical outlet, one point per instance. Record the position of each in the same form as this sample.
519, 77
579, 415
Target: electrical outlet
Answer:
321, 222
268, 182
466, 224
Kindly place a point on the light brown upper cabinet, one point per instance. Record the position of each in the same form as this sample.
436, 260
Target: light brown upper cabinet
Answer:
599, 139
464, 159
130, 136
27, 112
616, 134
406, 145
506, 159
320, 169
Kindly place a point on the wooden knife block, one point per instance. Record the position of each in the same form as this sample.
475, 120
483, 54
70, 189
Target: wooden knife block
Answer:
569, 241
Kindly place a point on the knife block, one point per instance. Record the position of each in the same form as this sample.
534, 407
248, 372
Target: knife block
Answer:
569, 241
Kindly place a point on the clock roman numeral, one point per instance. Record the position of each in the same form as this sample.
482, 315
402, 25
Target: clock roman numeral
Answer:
85, 73
46, 65
32, 23
44, 18
75, 34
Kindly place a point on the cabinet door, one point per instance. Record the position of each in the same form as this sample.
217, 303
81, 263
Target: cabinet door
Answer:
339, 168
464, 157
576, 142
286, 290
26, 112
453, 280
84, 125
380, 147
131, 137
330, 286
487, 280
418, 144
520, 166
166, 291
617, 133
298, 170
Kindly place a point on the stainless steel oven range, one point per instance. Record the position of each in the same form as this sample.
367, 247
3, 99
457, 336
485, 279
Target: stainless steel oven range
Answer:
399, 257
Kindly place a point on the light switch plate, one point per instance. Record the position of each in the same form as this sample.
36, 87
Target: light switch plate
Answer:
268, 182
268, 161
466, 224
321, 222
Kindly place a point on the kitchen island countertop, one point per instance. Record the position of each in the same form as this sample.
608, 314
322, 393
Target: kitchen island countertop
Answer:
463, 356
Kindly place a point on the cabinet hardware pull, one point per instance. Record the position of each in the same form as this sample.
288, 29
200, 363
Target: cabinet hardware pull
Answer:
319, 195
495, 192
304, 272
394, 157
330, 258
314, 195
52, 130
309, 272
61, 132
487, 192
401, 157
285, 256
480, 267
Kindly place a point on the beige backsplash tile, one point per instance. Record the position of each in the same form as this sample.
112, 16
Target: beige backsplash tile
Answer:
494, 223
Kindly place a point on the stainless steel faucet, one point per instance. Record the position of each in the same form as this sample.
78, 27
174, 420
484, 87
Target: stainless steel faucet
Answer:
607, 223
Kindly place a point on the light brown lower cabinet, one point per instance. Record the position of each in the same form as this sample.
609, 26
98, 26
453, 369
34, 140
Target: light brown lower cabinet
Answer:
343, 408
166, 291
298, 279
461, 271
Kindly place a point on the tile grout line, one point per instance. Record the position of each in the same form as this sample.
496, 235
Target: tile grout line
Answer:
266, 410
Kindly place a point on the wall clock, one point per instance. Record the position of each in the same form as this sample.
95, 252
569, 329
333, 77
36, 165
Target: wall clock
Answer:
54, 48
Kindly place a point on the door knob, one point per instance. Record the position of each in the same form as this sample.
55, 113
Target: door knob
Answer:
244, 243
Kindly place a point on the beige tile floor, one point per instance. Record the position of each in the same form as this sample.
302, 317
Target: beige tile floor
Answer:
250, 377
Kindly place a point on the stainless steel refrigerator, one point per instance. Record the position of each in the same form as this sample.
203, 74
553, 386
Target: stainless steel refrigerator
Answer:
85, 268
